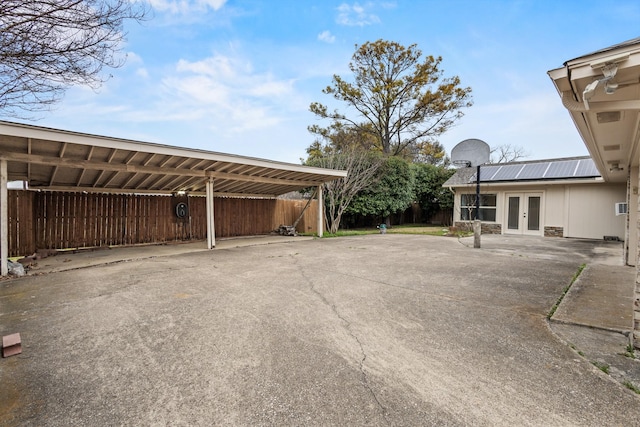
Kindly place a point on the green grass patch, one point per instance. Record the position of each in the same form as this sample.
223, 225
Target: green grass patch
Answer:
430, 230
420, 229
602, 366
630, 352
630, 386
343, 233
565, 290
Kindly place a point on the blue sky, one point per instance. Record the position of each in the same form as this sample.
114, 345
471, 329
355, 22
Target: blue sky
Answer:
237, 76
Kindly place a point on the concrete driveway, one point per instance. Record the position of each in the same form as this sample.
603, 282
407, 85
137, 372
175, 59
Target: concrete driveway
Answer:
371, 330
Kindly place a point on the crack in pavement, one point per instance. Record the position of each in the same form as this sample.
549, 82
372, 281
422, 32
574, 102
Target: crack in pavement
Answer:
334, 309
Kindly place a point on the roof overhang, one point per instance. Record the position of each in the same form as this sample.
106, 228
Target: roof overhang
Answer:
55, 159
539, 183
601, 91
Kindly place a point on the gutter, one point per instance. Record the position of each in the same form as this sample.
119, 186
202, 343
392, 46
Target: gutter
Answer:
581, 107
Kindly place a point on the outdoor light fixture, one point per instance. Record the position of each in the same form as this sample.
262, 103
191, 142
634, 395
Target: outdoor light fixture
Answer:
615, 167
610, 87
609, 71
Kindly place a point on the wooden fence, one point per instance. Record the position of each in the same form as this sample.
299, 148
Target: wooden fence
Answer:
59, 220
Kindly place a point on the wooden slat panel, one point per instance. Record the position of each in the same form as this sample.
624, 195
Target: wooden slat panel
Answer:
75, 220
21, 223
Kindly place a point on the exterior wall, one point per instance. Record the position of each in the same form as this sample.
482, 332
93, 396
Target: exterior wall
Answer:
485, 227
591, 211
553, 231
634, 228
631, 245
568, 210
555, 207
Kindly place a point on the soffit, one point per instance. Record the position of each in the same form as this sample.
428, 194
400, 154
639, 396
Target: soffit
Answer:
607, 123
70, 161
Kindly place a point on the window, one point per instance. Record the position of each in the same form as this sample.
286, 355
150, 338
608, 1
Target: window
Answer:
487, 207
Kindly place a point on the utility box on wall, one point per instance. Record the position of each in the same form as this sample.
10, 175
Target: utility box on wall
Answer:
621, 208
180, 207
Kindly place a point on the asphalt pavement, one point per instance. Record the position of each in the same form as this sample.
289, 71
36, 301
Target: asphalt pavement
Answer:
367, 330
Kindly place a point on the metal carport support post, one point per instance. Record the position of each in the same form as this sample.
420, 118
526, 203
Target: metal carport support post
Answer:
4, 219
211, 225
320, 211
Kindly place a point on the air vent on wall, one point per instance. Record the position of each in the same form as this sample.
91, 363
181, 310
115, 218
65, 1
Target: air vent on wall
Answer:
609, 116
621, 208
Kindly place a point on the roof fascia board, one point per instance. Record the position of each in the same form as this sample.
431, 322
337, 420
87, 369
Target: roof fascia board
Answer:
531, 183
623, 55
147, 192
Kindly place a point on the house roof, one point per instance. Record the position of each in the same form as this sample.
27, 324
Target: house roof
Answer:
581, 168
601, 91
71, 161
617, 46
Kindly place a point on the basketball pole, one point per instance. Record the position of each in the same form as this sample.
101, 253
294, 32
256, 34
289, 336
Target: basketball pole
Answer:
477, 224
478, 192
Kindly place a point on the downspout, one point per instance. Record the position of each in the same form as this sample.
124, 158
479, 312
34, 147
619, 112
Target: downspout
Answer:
573, 105
570, 103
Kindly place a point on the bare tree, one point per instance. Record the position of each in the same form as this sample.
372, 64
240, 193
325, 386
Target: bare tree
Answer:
362, 167
507, 153
49, 45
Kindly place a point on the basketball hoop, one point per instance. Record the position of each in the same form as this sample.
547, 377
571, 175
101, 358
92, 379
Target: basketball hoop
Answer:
472, 153
461, 163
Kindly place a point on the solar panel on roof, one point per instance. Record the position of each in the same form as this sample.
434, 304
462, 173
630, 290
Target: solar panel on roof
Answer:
487, 172
564, 169
506, 173
533, 170
552, 169
586, 167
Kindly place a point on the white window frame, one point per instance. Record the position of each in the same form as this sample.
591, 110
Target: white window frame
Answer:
468, 210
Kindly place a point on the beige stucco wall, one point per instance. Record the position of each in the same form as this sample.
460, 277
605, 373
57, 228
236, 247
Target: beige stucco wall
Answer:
580, 210
634, 229
632, 232
554, 215
591, 211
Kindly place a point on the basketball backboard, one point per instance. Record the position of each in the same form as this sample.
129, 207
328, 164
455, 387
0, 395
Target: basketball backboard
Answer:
470, 153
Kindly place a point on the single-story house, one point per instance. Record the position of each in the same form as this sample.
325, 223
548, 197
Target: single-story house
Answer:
555, 198
601, 92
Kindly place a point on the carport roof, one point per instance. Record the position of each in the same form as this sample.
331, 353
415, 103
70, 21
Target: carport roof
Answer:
71, 161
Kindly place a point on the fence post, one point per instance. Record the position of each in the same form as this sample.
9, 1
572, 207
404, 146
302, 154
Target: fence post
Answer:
4, 219
211, 226
320, 224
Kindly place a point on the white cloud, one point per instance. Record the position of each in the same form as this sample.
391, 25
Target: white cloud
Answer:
186, 6
228, 93
133, 58
356, 15
236, 75
218, 66
142, 72
326, 36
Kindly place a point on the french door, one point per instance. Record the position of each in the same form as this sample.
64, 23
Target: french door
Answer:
524, 213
